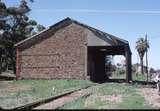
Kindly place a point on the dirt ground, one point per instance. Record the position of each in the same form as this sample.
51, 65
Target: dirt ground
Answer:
63, 100
151, 96
91, 100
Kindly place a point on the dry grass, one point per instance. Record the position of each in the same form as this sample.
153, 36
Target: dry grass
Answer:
16, 93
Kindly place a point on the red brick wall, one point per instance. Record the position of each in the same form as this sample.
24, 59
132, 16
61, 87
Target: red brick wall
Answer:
60, 56
17, 63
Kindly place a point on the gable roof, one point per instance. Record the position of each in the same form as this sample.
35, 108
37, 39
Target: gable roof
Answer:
113, 40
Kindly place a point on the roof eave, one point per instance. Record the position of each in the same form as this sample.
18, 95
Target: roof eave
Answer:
21, 42
29, 38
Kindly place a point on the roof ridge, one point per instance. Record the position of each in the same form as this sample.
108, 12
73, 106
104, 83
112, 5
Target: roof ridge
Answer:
103, 35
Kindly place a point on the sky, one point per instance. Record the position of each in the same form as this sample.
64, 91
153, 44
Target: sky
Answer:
127, 19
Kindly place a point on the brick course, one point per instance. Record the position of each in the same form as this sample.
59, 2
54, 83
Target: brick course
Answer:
60, 56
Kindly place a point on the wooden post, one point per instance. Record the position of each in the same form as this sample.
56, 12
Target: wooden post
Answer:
86, 62
0, 64
128, 65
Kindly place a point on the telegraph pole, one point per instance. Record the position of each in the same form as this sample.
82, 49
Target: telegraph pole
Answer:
137, 65
146, 57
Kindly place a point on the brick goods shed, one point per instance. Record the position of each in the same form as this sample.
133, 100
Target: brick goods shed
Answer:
69, 49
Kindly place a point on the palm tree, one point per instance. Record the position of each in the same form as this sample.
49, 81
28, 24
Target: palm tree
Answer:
142, 45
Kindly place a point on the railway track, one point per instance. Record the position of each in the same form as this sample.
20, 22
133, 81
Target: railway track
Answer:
38, 104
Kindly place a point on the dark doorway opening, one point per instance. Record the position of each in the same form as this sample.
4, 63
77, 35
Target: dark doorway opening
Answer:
96, 69
96, 65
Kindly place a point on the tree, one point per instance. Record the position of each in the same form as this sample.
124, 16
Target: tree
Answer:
142, 45
15, 26
147, 57
109, 67
2, 26
40, 28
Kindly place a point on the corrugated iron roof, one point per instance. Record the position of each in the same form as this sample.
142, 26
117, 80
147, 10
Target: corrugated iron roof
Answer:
113, 40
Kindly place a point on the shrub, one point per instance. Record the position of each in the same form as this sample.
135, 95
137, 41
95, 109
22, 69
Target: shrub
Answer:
120, 71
